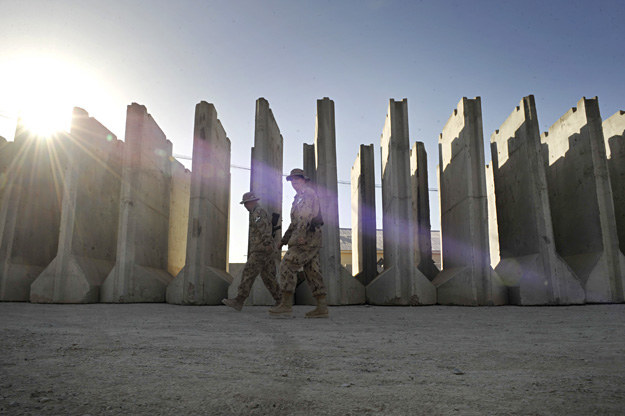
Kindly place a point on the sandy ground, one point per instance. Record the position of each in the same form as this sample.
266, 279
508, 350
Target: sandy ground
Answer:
146, 359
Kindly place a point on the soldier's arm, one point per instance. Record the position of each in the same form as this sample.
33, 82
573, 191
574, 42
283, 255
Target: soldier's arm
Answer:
287, 235
264, 227
305, 214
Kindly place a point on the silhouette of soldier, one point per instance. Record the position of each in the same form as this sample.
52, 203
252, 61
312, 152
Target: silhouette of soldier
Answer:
262, 253
304, 240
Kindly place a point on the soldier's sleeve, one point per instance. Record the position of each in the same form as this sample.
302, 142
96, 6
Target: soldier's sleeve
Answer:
305, 214
264, 227
287, 235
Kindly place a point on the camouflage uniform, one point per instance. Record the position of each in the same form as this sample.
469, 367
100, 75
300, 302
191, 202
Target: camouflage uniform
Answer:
262, 254
304, 244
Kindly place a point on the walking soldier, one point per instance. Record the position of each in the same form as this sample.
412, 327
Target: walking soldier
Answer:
262, 254
304, 240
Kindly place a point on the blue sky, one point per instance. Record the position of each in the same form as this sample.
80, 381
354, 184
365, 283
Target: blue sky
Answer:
170, 55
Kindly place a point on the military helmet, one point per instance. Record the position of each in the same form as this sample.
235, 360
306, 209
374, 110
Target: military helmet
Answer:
297, 172
249, 197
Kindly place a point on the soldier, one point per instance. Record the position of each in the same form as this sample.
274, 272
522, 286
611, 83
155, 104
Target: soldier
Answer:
304, 240
262, 253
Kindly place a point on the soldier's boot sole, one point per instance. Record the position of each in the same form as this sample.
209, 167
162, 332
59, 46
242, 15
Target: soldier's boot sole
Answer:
317, 313
233, 303
281, 315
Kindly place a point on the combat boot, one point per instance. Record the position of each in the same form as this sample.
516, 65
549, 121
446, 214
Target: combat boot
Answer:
285, 308
321, 311
236, 303
278, 301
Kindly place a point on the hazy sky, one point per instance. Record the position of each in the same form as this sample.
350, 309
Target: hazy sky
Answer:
169, 55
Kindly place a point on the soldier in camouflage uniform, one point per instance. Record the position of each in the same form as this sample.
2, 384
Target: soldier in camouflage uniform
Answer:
304, 240
262, 254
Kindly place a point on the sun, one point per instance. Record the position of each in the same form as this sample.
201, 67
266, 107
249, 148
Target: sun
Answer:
41, 89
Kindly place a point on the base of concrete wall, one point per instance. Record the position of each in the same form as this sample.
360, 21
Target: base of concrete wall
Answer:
215, 284
592, 269
352, 293
259, 295
16, 282
453, 287
148, 285
79, 279
383, 291
527, 284
428, 268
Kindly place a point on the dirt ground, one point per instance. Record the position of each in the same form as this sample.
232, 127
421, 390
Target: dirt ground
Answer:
159, 359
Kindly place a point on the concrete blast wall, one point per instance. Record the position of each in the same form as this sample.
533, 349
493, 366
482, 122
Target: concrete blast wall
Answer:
140, 273
342, 287
467, 277
530, 267
204, 280
421, 210
401, 283
90, 209
30, 210
266, 183
7, 150
178, 217
580, 197
364, 251
614, 136
493, 231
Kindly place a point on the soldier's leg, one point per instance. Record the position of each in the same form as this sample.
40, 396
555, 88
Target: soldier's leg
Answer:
292, 261
250, 271
268, 274
312, 270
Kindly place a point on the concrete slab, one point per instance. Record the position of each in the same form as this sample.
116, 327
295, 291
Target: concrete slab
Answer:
140, 272
89, 215
614, 136
493, 230
421, 210
401, 282
364, 251
6, 159
534, 273
178, 217
342, 287
580, 198
467, 277
30, 210
266, 183
303, 295
204, 279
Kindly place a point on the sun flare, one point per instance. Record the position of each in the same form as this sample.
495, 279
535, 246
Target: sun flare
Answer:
42, 90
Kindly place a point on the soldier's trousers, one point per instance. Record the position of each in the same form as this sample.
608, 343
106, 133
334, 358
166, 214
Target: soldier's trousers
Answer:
295, 259
264, 264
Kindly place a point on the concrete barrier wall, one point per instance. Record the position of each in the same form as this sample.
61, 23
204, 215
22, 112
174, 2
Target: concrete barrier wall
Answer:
421, 210
614, 136
178, 217
140, 272
204, 279
266, 183
580, 197
530, 267
90, 209
342, 287
30, 210
467, 277
493, 230
6, 159
401, 283
364, 251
